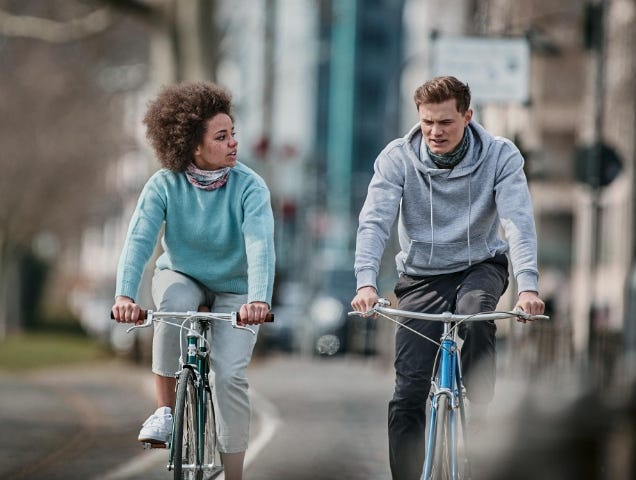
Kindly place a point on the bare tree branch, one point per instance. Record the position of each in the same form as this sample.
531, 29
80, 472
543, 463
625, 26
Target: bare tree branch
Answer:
53, 31
137, 7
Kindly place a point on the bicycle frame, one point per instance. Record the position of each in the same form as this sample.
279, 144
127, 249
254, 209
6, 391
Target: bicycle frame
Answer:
450, 385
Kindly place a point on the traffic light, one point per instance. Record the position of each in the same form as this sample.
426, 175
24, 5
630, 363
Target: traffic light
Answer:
597, 165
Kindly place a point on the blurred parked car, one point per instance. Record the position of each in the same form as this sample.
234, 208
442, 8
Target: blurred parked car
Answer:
285, 332
332, 331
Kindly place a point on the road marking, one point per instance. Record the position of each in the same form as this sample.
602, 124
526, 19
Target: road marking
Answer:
270, 420
155, 459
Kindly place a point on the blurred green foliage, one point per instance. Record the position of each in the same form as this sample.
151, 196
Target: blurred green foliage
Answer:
39, 350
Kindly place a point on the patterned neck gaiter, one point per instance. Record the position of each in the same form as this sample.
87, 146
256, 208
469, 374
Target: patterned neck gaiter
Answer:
207, 179
449, 160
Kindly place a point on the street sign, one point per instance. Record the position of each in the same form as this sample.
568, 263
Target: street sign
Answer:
597, 165
496, 69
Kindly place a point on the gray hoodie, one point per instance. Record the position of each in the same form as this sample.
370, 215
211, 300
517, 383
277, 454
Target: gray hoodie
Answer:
448, 219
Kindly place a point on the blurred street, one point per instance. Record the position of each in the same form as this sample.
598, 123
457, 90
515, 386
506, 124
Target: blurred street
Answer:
322, 418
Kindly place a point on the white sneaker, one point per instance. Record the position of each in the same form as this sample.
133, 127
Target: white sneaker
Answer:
158, 427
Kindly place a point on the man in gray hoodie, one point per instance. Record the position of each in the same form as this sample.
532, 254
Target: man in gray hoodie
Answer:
453, 185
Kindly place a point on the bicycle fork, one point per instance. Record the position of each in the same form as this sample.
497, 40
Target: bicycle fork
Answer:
192, 359
448, 376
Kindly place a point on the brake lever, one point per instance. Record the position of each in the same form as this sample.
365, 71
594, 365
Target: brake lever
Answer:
527, 316
240, 327
146, 324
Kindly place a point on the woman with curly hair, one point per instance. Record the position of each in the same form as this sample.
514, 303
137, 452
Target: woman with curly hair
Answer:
218, 250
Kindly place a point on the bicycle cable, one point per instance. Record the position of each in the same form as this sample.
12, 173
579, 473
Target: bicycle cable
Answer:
182, 327
459, 322
452, 330
401, 325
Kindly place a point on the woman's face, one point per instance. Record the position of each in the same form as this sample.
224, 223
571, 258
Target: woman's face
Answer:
219, 147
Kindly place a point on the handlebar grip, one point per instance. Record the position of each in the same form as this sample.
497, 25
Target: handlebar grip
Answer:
268, 318
142, 315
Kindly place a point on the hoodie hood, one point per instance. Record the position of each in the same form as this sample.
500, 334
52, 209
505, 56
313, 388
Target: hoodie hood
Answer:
474, 156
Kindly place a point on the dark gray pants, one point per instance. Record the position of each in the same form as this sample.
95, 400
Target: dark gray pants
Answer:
473, 290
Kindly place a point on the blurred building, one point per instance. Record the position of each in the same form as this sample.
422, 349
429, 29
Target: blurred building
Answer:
582, 89
582, 85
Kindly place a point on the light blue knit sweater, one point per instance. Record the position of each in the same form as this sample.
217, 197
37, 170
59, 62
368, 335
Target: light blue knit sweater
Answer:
223, 238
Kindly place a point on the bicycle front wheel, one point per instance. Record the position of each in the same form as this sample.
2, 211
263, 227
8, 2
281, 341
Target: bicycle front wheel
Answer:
441, 468
212, 463
185, 429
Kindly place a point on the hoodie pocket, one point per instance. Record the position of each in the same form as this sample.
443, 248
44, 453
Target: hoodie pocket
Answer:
446, 256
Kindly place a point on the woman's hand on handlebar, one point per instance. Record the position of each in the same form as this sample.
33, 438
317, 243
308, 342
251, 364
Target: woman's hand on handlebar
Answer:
253, 313
126, 310
365, 299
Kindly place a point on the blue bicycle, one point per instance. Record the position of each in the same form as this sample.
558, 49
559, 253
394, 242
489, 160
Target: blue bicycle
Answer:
447, 435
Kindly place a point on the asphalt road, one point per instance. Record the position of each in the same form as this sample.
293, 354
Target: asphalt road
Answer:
313, 418
71, 422
332, 415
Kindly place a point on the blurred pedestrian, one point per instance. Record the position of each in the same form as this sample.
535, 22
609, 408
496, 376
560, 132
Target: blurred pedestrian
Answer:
218, 251
452, 185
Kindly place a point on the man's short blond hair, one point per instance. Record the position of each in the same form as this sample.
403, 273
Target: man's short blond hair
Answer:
441, 89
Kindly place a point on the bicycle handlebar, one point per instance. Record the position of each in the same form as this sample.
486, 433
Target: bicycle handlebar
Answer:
447, 317
233, 317
143, 314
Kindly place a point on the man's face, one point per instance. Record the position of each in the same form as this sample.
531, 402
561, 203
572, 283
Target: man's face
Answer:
442, 125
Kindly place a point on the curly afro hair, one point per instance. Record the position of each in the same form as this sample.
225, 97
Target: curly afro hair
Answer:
176, 120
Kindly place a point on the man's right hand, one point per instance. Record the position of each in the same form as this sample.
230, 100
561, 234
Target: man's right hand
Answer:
365, 299
126, 310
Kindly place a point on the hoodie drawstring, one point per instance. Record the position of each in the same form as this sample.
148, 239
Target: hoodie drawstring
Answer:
470, 204
430, 196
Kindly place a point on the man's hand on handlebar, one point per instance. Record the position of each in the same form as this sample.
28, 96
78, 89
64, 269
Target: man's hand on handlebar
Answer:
365, 299
126, 310
530, 303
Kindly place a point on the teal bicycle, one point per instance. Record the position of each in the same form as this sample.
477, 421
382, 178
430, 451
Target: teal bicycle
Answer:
447, 436
193, 452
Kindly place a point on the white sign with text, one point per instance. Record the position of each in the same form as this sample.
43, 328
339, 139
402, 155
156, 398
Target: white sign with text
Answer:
496, 69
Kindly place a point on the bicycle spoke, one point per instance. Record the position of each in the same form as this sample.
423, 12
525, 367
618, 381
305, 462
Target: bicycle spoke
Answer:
212, 458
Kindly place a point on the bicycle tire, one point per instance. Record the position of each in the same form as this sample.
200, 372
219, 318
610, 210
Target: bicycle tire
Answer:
463, 450
440, 470
185, 429
211, 456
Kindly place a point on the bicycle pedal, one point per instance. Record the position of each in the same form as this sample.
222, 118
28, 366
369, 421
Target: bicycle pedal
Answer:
148, 445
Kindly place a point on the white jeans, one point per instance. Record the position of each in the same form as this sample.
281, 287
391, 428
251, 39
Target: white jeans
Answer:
231, 351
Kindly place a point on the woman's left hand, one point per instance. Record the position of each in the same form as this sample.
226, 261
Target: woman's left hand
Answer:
253, 313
